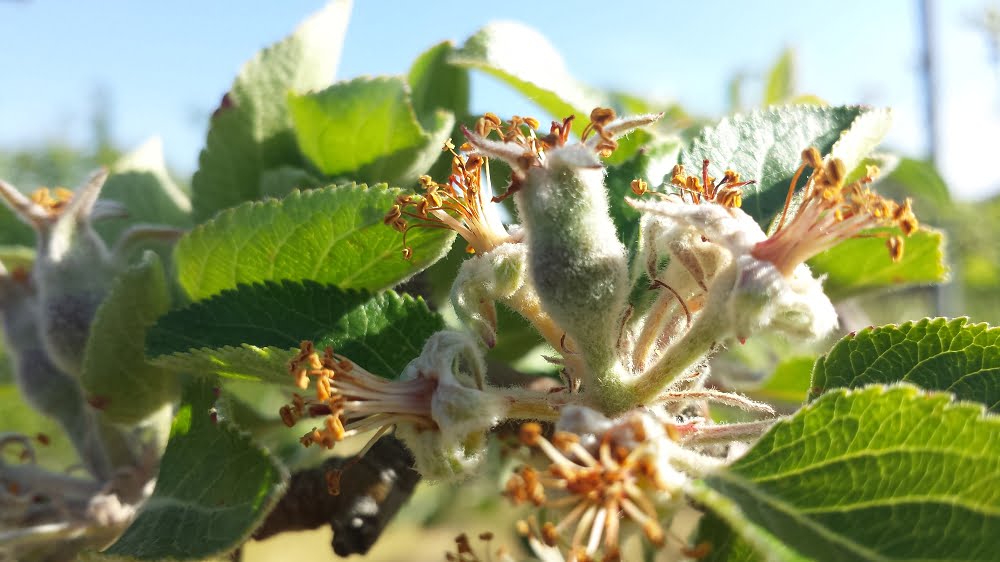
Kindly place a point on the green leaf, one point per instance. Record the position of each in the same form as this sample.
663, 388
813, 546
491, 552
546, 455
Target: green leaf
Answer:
20, 417
883, 473
885, 162
865, 133
920, 179
435, 83
936, 354
140, 182
243, 362
861, 264
14, 257
789, 382
279, 182
523, 58
333, 235
382, 333
367, 129
766, 146
781, 79
252, 131
750, 543
114, 365
213, 488
13, 231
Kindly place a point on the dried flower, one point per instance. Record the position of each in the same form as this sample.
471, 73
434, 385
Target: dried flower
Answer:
604, 476
830, 213
462, 204
440, 411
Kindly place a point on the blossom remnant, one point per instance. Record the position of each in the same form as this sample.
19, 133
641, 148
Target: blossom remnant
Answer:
463, 204
833, 211
613, 473
352, 399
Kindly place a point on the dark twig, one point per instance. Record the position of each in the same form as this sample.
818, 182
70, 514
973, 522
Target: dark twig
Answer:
384, 478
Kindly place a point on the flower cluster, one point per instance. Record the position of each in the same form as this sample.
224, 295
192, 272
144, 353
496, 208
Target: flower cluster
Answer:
440, 411
633, 428
604, 478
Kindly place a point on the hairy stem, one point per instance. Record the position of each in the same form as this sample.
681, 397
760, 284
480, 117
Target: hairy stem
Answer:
724, 433
690, 348
533, 405
525, 302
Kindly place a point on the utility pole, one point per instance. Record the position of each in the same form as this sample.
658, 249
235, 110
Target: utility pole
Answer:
945, 294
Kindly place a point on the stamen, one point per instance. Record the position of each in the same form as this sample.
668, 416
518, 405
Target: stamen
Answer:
600, 492
352, 400
460, 204
830, 213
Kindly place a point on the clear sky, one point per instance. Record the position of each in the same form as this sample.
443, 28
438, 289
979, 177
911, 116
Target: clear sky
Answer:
166, 64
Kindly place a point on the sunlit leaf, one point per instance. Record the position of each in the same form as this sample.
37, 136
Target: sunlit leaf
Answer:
936, 354
366, 129
861, 264
766, 146
332, 235
213, 488
251, 131
883, 473
524, 59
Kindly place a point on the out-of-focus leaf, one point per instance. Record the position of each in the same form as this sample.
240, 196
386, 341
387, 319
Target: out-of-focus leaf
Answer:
213, 488
140, 182
921, 180
789, 382
780, 83
57, 452
366, 129
438, 84
862, 264
114, 365
524, 59
251, 131
17, 257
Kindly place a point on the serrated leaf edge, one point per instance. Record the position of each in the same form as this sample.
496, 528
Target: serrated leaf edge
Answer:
961, 321
268, 504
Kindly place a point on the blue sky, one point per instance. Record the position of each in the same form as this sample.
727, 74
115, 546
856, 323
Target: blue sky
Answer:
166, 64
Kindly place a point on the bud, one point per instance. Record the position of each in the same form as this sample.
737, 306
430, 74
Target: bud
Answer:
578, 266
761, 295
764, 299
73, 268
48, 389
484, 279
